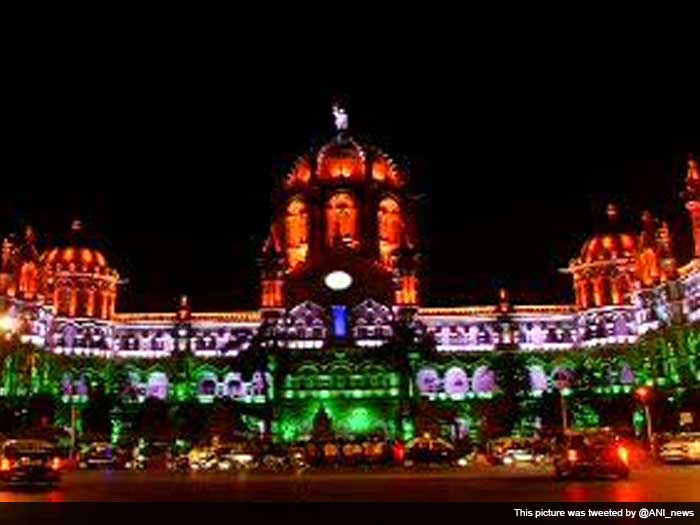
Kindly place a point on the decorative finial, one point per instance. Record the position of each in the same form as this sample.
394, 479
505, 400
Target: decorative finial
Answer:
342, 121
29, 234
693, 171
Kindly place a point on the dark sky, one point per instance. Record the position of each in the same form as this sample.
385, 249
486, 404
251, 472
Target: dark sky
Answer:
172, 161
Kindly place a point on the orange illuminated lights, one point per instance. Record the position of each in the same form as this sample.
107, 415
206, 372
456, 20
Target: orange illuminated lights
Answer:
390, 229
341, 220
297, 233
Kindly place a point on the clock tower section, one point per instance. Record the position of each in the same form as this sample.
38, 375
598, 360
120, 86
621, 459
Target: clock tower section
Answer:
342, 227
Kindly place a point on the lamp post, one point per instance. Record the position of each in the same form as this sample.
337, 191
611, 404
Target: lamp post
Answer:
563, 387
644, 395
564, 411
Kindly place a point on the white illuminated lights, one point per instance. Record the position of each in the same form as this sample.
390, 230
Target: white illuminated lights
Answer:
338, 281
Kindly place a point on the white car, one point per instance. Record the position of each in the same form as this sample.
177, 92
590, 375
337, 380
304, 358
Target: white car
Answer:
681, 448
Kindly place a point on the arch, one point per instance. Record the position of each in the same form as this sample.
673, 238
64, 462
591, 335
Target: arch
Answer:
562, 377
539, 382
390, 226
234, 387
627, 376
297, 232
207, 384
158, 386
456, 381
484, 380
428, 381
260, 383
342, 220
67, 384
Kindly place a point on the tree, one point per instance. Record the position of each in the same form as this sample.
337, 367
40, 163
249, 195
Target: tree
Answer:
322, 427
97, 420
406, 342
513, 380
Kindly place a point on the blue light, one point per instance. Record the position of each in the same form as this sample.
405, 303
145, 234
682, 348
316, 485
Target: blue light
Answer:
340, 321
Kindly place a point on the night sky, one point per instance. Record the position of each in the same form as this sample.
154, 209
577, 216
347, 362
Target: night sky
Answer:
172, 163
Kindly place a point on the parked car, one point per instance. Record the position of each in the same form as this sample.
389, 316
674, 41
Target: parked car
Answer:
203, 458
30, 462
681, 448
280, 461
429, 450
235, 456
102, 456
592, 455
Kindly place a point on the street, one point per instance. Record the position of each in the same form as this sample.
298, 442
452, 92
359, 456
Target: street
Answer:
657, 483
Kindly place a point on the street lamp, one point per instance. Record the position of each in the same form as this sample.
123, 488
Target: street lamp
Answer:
7, 326
644, 396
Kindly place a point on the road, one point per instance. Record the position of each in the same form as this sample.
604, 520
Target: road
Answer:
657, 483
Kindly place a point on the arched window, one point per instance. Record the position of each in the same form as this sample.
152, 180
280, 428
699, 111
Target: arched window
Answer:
64, 299
390, 229
158, 386
297, 233
341, 220
28, 280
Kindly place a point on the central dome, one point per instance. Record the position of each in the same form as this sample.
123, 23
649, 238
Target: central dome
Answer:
344, 160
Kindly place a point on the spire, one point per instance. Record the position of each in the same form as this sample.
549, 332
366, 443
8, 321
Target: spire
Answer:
693, 170
692, 180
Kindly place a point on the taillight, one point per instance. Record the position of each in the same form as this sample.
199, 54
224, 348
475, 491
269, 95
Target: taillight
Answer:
56, 464
572, 456
623, 454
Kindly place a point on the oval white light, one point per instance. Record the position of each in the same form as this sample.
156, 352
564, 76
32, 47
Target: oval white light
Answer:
338, 281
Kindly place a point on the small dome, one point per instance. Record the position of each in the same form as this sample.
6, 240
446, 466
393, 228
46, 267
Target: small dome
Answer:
78, 251
611, 245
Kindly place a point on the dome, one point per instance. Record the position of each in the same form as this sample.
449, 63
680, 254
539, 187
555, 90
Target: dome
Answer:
78, 252
609, 246
78, 280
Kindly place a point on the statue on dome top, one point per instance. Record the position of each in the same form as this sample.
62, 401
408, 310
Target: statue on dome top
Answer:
342, 121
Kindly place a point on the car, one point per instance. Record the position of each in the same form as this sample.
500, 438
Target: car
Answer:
523, 452
681, 448
235, 456
280, 461
152, 456
101, 456
592, 456
29, 462
202, 458
429, 450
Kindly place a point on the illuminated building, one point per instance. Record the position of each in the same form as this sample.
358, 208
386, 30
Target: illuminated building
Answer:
339, 291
